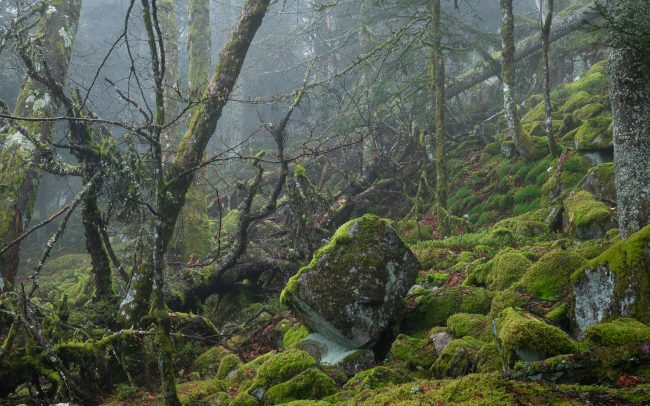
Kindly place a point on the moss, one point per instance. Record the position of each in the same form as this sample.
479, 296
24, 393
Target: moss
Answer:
281, 367
506, 268
294, 335
617, 332
594, 134
191, 392
589, 111
244, 399
458, 358
558, 314
599, 181
207, 363
437, 279
228, 363
537, 113
465, 324
505, 299
411, 231
549, 277
587, 218
434, 308
414, 352
576, 101
522, 336
309, 384
530, 224
376, 377
488, 359
433, 258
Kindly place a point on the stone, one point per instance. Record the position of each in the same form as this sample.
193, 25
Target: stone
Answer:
354, 286
614, 284
587, 218
599, 181
329, 353
440, 340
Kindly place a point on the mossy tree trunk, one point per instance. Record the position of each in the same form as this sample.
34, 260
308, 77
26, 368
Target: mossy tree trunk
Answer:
169, 28
194, 230
172, 191
19, 159
438, 71
546, 20
513, 123
629, 68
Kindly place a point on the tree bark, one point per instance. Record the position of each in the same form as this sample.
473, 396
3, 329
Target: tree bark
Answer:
19, 160
629, 69
508, 78
194, 230
546, 19
438, 71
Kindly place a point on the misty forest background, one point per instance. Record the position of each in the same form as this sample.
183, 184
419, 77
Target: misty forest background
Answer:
243, 202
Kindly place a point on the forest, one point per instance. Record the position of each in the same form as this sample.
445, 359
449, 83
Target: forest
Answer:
323, 202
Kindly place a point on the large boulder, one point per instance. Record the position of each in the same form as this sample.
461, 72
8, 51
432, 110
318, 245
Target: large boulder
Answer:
614, 284
354, 286
587, 218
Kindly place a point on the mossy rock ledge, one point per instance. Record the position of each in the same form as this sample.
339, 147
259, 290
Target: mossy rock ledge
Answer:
354, 286
614, 284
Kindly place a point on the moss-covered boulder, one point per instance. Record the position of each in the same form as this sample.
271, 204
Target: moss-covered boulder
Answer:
294, 335
458, 358
587, 218
414, 352
310, 384
278, 368
354, 286
614, 284
488, 359
588, 111
550, 276
599, 181
617, 332
377, 377
522, 336
506, 268
207, 364
228, 366
465, 324
595, 134
433, 308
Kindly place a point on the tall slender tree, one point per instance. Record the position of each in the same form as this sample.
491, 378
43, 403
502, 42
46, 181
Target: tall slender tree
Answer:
629, 68
437, 69
520, 139
546, 20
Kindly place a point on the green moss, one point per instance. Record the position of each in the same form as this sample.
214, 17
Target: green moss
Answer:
549, 277
458, 358
488, 359
244, 399
281, 367
530, 224
504, 299
411, 231
434, 308
506, 268
433, 258
228, 363
207, 363
414, 352
576, 101
558, 314
538, 113
191, 393
376, 377
589, 111
309, 384
585, 217
294, 335
465, 324
595, 134
617, 332
522, 336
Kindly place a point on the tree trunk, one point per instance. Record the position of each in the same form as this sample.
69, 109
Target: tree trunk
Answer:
546, 19
629, 69
508, 77
169, 27
194, 231
19, 161
438, 70
193, 145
